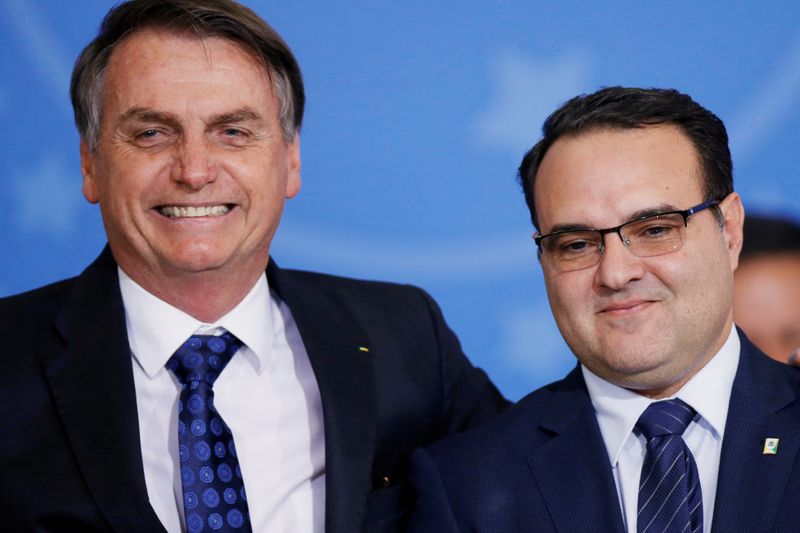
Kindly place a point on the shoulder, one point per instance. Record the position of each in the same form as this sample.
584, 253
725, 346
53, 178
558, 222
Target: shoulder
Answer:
35, 306
513, 433
759, 372
333, 284
29, 334
375, 300
483, 475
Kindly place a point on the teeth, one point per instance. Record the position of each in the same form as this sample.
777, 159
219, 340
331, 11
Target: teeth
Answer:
191, 211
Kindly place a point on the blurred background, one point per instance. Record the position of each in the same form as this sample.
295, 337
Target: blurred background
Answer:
418, 115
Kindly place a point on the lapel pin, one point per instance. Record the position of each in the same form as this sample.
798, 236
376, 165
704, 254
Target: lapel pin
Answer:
363, 349
771, 446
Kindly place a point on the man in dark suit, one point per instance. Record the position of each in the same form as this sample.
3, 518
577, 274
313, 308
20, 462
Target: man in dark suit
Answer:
673, 420
123, 390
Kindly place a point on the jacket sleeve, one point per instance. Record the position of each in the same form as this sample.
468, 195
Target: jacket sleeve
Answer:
469, 396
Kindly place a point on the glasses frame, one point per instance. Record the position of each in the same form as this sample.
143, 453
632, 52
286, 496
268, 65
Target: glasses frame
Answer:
686, 213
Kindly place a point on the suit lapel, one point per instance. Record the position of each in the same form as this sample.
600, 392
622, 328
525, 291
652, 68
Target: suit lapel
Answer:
751, 484
344, 374
91, 380
572, 469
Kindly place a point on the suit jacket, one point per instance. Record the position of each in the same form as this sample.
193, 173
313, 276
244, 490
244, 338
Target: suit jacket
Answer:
70, 458
542, 465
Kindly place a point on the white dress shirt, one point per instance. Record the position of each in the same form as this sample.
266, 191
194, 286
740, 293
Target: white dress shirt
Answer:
267, 394
618, 409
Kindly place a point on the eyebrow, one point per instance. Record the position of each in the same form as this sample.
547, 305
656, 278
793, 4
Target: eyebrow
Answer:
651, 211
641, 213
236, 116
142, 114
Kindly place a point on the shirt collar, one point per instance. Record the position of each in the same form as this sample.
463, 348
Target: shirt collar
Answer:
156, 329
708, 392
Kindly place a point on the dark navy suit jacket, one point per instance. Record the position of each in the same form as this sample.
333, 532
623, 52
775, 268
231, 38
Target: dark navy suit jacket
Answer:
70, 458
542, 465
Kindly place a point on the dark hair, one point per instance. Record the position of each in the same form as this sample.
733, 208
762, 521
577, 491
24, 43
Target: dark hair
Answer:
626, 108
197, 18
769, 235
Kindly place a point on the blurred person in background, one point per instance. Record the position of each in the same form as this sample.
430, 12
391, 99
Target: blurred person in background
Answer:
767, 286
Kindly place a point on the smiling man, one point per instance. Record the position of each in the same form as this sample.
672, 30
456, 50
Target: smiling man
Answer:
190, 167
184, 382
673, 421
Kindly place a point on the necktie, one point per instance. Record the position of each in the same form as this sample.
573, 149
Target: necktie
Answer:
670, 499
213, 490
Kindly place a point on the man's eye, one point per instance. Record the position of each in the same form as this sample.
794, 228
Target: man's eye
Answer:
149, 137
656, 231
233, 132
574, 246
149, 134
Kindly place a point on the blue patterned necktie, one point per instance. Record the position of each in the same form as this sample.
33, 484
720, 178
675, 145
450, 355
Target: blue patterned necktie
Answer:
670, 499
213, 490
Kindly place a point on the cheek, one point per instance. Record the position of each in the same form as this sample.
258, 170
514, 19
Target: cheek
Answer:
570, 298
258, 176
701, 283
107, 192
121, 191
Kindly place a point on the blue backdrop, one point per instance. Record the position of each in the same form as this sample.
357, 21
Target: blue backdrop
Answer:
418, 115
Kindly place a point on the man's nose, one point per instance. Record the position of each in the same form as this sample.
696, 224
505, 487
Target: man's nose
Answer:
194, 166
618, 266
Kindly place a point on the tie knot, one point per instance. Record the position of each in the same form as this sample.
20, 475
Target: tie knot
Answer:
667, 417
202, 358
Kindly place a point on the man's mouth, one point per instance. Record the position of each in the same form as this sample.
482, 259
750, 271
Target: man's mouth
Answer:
628, 306
174, 211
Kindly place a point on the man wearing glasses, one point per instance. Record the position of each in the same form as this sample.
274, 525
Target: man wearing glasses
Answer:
673, 420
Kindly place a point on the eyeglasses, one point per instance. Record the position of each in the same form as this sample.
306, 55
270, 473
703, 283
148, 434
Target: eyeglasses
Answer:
648, 236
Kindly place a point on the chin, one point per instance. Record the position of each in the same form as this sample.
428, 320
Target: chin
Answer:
194, 260
630, 360
619, 343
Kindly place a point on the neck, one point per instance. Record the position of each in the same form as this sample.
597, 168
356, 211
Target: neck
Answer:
676, 385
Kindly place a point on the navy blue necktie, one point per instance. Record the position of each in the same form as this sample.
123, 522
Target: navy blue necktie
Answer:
670, 499
213, 490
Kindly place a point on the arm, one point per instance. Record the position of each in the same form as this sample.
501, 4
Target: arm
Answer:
470, 397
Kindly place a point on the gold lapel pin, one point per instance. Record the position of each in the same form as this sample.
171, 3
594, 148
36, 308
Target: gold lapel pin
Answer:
363, 349
771, 446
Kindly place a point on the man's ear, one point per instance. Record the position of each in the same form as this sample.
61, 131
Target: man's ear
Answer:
732, 226
294, 164
89, 186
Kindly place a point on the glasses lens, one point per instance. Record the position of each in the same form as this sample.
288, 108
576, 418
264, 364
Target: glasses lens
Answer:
655, 235
572, 250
